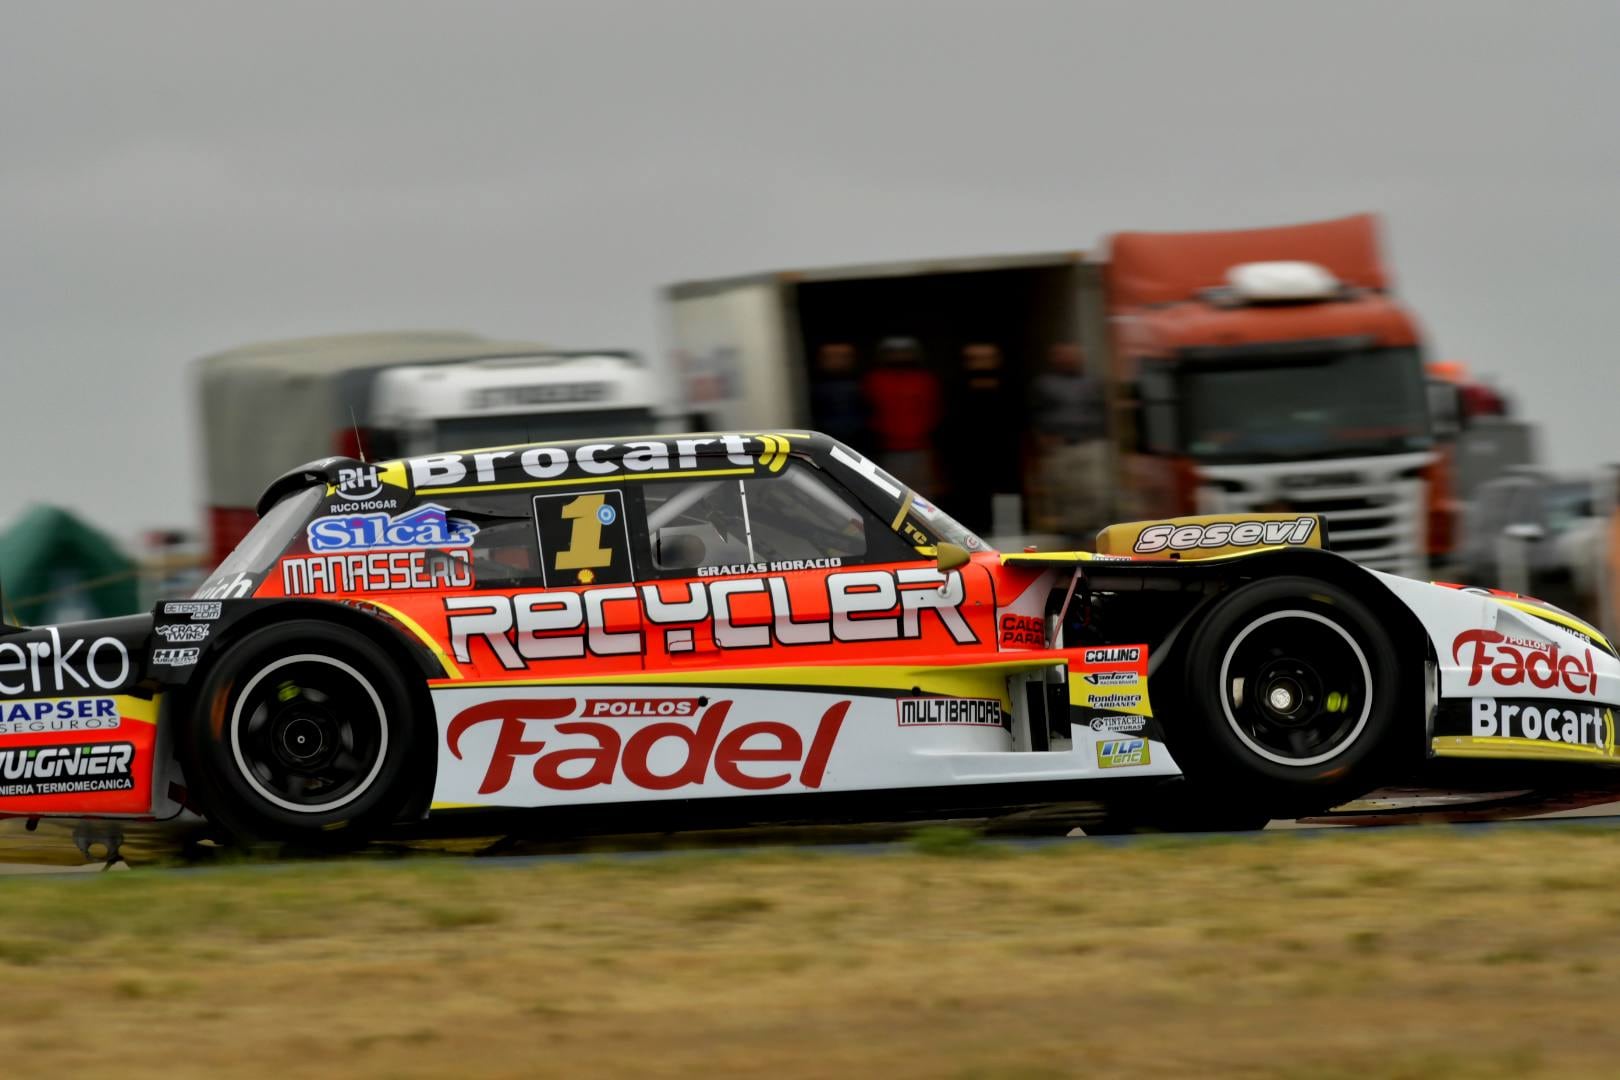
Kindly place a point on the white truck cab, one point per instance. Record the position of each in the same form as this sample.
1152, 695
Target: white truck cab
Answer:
511, 399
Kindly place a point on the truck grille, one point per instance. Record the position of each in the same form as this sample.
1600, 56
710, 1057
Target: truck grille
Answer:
1375, 507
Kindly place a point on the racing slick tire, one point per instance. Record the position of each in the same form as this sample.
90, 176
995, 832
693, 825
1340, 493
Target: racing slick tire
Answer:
1291, 692
302, 732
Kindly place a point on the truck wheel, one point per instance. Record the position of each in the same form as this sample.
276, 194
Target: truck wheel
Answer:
303, 732
1291, 697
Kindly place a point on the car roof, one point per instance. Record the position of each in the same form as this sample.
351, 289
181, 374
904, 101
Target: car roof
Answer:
769, 451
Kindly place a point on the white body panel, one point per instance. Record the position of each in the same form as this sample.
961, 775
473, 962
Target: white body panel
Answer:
1460, 625
632, 743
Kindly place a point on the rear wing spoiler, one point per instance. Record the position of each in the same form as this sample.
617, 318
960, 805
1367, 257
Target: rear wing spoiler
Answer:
1211, 535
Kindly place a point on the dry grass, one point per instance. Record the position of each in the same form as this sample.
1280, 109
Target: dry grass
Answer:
1403, 954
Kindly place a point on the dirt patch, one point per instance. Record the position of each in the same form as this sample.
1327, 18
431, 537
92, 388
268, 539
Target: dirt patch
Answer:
1410, 953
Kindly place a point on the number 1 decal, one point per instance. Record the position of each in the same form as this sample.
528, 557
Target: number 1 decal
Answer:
585, 551
584, 539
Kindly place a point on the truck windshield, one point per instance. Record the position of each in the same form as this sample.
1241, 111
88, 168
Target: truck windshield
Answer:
1371, 401
469, 432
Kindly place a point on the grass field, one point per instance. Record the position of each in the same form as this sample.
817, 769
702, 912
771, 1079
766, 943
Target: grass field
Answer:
1405, 953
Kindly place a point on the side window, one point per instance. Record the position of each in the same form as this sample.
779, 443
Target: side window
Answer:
794, 516
504, 550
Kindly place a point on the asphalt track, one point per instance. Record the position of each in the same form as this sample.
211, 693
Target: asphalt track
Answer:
51, 850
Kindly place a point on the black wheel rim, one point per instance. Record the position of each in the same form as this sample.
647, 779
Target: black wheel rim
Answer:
1296, 687
309, 733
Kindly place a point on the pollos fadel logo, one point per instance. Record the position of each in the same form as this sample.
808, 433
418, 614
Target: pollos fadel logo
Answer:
578, 754
1512, 661
424, 527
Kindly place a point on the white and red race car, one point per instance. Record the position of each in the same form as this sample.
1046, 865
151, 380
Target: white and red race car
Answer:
732, 628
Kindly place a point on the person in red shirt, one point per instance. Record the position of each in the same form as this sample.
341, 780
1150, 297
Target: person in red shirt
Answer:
905, 406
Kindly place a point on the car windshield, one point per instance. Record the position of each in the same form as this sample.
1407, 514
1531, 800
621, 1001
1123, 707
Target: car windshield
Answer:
945, 527
1364, 401
267, 540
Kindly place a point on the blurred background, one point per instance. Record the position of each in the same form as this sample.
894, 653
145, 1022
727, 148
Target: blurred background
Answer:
1053, 264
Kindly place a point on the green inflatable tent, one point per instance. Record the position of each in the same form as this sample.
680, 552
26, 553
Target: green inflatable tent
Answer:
54, 566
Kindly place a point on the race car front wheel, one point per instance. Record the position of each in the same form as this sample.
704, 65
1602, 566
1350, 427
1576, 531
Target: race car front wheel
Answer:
302, 732
1292, 692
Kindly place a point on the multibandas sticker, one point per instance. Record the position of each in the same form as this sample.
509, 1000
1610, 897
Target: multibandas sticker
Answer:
929, 711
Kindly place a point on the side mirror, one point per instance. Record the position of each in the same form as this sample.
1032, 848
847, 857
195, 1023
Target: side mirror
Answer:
949, 556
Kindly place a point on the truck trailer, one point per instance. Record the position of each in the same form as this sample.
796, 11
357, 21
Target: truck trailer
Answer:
267, 407
1254, 370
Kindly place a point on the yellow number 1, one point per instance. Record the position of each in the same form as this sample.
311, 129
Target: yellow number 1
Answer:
585, 550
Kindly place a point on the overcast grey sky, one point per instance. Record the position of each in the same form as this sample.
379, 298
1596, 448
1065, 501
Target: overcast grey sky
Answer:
177, 178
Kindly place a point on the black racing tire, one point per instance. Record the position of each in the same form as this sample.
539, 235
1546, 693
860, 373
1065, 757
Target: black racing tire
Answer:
1290, 698
303, 732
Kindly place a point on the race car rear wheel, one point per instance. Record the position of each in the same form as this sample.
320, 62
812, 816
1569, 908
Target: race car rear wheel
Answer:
302, 731
1291, 692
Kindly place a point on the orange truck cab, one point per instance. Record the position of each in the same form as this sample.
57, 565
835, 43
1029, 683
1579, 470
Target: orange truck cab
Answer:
1271, 370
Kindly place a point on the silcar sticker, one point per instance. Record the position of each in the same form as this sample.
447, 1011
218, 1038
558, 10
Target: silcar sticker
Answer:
427, 526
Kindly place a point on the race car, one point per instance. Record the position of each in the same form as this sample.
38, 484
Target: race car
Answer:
735, 628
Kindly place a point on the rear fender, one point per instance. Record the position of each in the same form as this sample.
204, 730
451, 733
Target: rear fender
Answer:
188, 635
